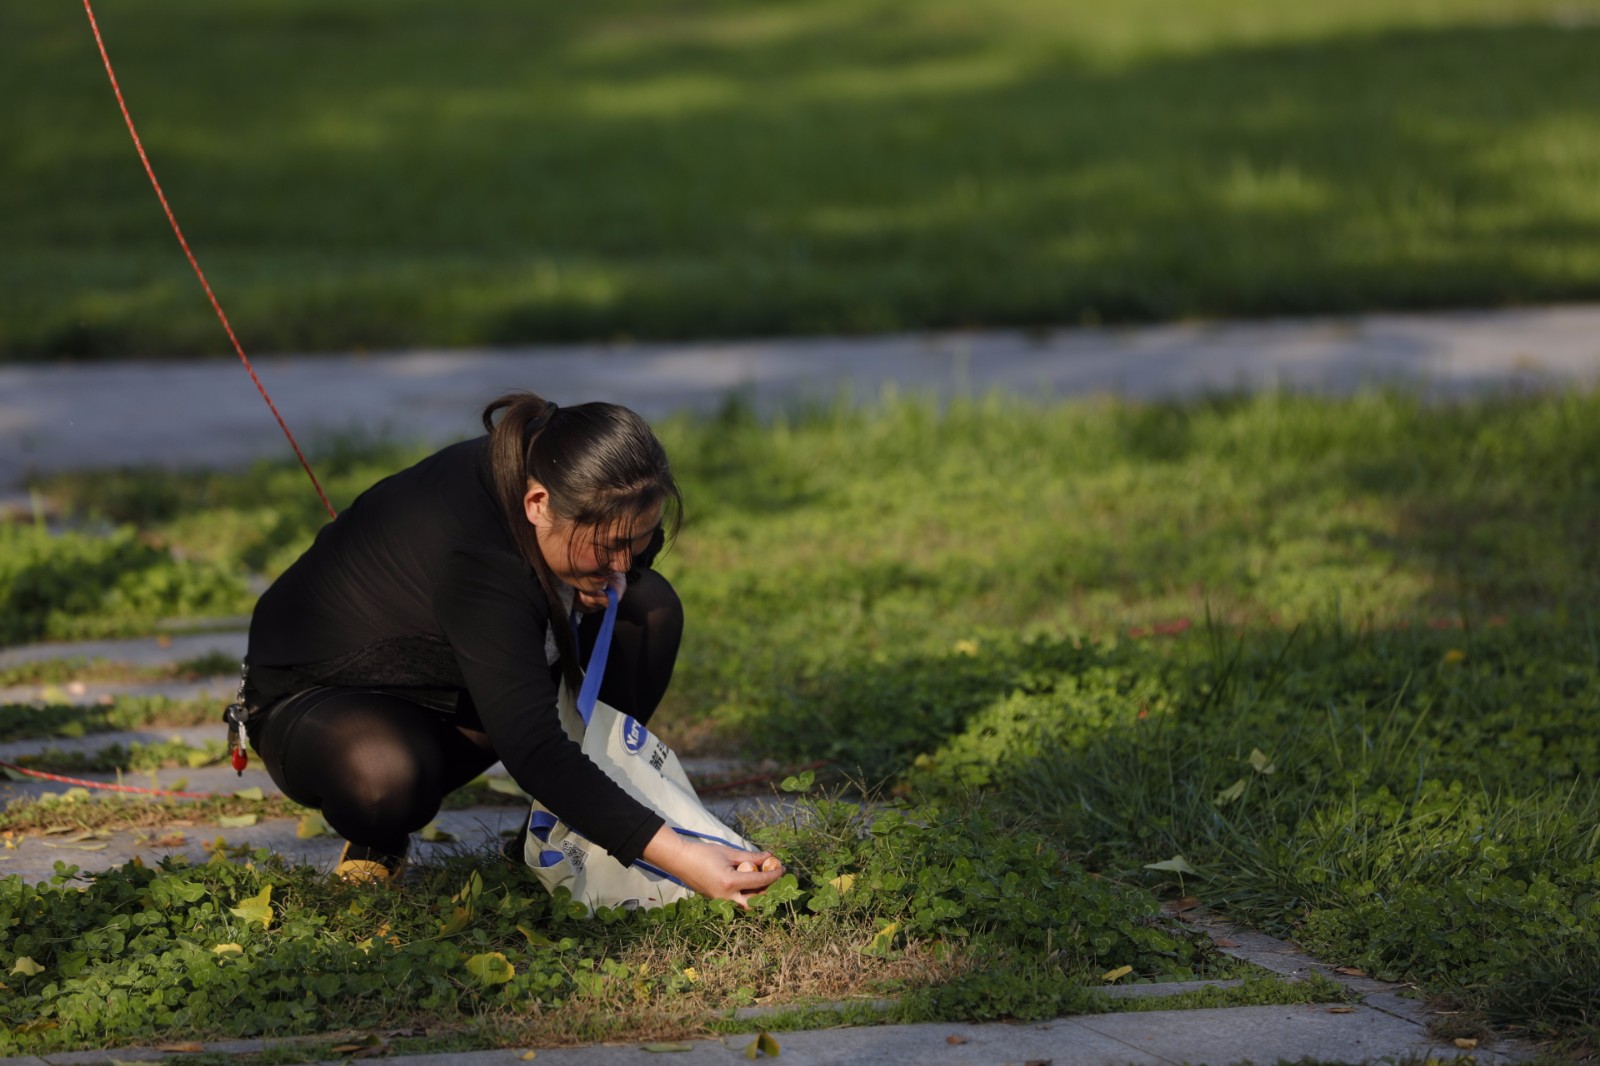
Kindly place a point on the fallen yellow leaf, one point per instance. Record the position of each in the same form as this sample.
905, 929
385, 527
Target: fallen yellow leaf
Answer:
27, 967
491, 968
1119, 972
1466, 1043
258, 908
434, 835
884, 938
312, 825
228, 949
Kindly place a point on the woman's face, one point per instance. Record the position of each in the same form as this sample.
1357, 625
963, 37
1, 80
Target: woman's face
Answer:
582, 556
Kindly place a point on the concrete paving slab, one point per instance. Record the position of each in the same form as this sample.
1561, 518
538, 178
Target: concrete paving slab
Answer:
1218, 1037
138, 651
89, 693
1272, 1034
1062, 1043
57, 417
1288, 960
195, 736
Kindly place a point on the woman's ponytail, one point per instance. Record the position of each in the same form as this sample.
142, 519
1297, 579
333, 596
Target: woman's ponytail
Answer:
523, 417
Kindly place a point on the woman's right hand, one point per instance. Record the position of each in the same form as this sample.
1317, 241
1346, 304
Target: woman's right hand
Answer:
711, 869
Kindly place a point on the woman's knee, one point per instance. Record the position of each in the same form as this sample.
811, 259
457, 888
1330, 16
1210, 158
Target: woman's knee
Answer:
653, 603
367, 760
391, 781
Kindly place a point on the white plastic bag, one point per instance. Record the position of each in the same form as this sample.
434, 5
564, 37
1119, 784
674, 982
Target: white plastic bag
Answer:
648, 770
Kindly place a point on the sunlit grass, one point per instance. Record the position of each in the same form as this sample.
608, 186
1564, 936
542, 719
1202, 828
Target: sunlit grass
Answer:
364, 175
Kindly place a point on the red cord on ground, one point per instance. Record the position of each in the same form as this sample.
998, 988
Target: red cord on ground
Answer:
41, 775
216, 306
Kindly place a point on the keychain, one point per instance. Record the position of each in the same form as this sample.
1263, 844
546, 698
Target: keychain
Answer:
235, 716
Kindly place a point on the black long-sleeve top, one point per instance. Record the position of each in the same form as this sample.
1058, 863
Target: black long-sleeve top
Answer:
418, 585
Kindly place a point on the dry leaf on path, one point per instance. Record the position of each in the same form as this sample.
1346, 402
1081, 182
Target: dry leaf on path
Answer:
1350, 971
1341, 1010
763, 1044
1466, 1043
955, 1038
1224, 942
189, 1048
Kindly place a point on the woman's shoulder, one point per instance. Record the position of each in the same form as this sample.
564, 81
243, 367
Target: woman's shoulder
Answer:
485, 572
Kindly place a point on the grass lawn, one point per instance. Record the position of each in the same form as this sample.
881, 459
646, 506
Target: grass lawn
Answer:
363, 174
1329, 666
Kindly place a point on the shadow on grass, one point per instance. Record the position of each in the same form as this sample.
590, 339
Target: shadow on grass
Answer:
490, 175
1406, 801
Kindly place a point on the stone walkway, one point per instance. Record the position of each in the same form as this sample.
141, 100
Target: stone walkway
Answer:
64, 417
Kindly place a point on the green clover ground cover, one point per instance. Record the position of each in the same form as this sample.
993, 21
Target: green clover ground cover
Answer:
374, 173
229, 949
1331, 666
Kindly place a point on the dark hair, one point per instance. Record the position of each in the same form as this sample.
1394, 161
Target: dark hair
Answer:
602, 466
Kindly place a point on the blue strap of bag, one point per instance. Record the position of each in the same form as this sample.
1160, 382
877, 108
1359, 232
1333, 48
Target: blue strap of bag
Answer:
540, 823
589, 693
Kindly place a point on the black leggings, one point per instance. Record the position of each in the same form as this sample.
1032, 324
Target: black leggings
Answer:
377, 764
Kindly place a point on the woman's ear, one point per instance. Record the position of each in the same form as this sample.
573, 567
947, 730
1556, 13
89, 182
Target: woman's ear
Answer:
536, 505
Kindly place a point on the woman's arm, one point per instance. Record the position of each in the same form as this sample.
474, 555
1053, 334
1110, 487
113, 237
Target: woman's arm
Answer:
710, 869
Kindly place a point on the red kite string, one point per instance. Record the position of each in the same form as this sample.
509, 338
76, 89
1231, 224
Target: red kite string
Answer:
237, 347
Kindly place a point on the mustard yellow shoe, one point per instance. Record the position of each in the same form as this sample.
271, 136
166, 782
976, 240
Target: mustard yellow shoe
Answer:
368, 867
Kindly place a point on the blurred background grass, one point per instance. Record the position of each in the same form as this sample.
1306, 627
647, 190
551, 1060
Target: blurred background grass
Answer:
361, 174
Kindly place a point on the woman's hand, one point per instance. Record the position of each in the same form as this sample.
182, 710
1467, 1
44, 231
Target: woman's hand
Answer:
711, 869
588, 602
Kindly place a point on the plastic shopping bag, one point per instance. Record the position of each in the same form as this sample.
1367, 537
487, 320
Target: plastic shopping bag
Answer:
648, 770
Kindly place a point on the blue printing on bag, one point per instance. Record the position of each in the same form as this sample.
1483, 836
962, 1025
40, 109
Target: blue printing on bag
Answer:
540, 823
550, 858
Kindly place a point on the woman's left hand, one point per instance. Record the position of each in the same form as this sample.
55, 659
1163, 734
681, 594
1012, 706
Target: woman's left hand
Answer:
712, 870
